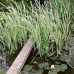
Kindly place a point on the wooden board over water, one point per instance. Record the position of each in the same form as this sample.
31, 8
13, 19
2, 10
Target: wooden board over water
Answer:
21, 58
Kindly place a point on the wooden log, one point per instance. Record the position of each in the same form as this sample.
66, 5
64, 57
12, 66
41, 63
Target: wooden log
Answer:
21, 58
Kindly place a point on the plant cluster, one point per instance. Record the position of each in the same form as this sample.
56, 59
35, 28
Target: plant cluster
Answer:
49, 28
45, 66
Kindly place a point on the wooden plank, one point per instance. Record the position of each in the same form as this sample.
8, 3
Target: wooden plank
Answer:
21, 58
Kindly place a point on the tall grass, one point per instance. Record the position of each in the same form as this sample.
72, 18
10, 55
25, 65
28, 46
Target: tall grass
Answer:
48, 28
12, 26
52, 28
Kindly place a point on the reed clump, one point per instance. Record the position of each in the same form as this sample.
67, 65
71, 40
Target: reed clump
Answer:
49, 28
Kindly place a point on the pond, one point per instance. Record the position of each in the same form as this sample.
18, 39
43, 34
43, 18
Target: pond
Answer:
48, 35
32, 60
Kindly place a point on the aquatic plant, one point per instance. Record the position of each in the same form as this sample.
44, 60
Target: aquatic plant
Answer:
12, 28
44, 66
49, 29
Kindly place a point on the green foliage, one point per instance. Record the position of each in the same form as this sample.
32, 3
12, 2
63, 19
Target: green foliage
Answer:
13, 32
58, 68
51, 32
63, 67
57, 62
28, 68
39, 71
72, 27
43, 65
4, 1
2, 72
49, 29
52, 72
65, 58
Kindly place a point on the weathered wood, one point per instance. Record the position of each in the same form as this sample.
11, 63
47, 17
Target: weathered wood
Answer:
21, 58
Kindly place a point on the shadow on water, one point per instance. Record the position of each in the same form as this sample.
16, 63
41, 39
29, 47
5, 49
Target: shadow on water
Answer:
7, 61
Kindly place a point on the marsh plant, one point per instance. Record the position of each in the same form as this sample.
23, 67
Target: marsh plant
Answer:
48, 28
12, 28
51, 29
45, 66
